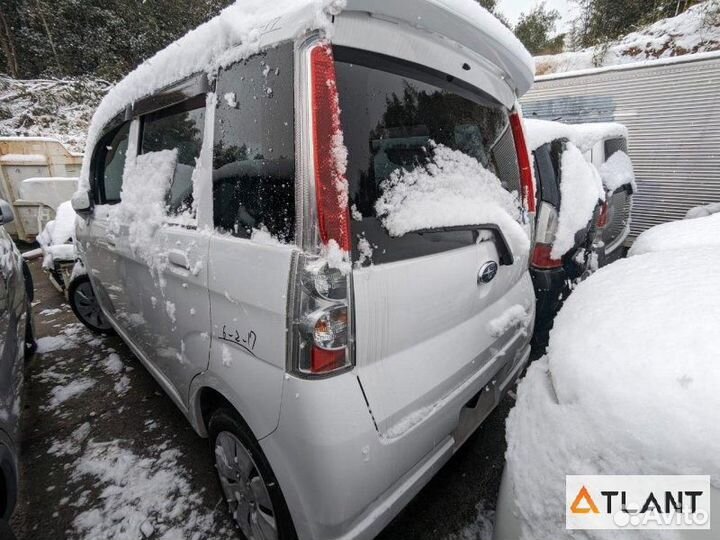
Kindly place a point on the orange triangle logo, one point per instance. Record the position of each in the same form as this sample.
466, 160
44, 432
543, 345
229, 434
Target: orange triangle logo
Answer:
589, 506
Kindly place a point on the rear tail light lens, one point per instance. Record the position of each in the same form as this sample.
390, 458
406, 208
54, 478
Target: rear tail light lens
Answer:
527, 180
330, 155
547, 224
329, 328
320, 323
604, 216
542, 259
321, 338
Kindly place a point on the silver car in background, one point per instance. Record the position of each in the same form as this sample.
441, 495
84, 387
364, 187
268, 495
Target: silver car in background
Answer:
331, 390
16, 340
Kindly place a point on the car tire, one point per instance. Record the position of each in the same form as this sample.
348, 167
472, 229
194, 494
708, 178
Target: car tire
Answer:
249, 485
86, 308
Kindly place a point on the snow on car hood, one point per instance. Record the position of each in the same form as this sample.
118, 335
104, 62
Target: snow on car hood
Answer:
699, 233
629, 386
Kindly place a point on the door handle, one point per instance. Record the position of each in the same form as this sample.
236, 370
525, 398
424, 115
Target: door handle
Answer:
179, 259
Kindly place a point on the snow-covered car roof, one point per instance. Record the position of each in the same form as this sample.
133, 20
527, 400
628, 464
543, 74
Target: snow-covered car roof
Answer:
628, 386
247, 26
699, 233
584, 136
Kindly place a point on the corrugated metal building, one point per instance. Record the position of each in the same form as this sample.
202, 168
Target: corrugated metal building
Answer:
672, 110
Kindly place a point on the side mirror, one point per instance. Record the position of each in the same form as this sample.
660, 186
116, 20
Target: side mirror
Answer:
6, 213
81, 203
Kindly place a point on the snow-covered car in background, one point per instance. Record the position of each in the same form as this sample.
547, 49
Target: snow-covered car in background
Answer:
605, 146
703, 211
16, 342
642, 403
57, 241
569, 194
698, 233
338, 315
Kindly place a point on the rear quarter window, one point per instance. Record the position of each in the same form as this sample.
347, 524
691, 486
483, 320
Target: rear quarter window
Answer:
254, 150
392, 114
615, 145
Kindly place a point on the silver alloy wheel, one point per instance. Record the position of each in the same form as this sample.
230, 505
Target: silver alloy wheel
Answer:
245, 490
88, 307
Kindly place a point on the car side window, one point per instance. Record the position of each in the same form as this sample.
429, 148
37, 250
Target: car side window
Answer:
180, 127
109, 165
254, 150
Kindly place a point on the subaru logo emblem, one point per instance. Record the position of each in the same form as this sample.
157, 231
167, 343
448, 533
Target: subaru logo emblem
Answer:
487, 272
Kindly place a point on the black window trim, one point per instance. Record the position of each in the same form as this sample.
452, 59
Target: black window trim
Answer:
97, 165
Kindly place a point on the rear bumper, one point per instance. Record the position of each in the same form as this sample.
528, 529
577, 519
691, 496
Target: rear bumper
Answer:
340, 477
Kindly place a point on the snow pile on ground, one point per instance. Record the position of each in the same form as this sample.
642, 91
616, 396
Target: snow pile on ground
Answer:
618, 171
584, 136
700, 233
57, 239
140, 496
703, 211
50, 108
580, 191
621, 357
453, 189
693, 31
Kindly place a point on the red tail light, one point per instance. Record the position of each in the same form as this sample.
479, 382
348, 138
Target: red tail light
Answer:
541, 258
329, 151
547, 224
321, 328
604, 216
527, 181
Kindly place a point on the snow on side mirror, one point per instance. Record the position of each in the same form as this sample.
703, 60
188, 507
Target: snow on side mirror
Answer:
81, 203
6, 213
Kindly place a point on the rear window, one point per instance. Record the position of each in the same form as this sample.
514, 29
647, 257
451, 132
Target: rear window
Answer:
615, 145
392, 114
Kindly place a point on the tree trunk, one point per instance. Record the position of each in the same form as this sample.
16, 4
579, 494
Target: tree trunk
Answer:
49, 35
7, 44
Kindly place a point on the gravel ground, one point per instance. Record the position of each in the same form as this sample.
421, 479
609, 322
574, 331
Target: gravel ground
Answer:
106, 454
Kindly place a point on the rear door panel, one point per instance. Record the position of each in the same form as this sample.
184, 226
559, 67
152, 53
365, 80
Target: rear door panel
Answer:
421, 328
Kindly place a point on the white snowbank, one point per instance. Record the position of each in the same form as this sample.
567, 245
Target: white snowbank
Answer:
700, 233
454, 189
628, 386
618, 171
689, 32
580, 191
57, 239
703, 211
231, 36
584, 136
